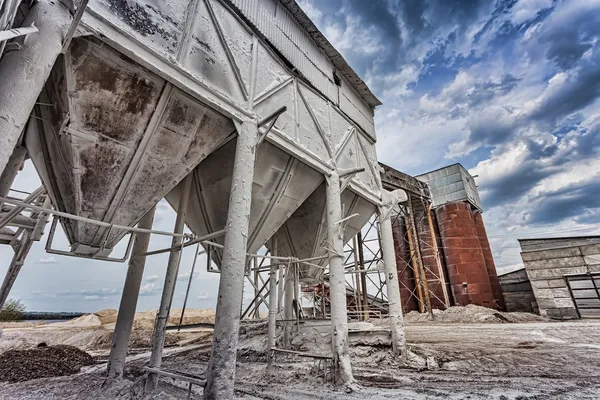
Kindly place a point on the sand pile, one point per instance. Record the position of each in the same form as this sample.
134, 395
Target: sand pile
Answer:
473, 314
42, 362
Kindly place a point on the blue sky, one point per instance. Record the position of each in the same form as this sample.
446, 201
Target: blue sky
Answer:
508, 88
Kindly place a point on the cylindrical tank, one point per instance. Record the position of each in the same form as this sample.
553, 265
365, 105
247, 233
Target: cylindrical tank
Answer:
465, 259
489, 260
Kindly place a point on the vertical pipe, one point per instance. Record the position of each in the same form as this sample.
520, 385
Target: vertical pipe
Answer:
393, 288
189, 285
357, 290
162, 318
272, 327
256, 272
280, 278
363, 277
298, 306
337, 282
25, 72
221, 367
288, 305
129, 298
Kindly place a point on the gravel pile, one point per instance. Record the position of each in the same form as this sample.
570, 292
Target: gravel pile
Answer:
473, 314
42, 362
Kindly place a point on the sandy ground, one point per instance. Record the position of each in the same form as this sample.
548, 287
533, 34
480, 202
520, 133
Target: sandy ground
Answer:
540, 360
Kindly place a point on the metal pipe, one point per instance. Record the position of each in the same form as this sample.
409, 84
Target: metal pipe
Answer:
363, 280
221, 368
288, 303
24, 72
129, 299
337, 284
93, 256
189, 285
17, 210
272, 324
74, 24
392, 285
74, 217
17, 32
158, 340
186, 244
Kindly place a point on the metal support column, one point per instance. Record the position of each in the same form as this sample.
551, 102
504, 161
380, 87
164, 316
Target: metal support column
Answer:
15, 266
221, 367
288, 305
337, 283
363, 277
24, 72
129, 298
393, 288
160, 328
272, 327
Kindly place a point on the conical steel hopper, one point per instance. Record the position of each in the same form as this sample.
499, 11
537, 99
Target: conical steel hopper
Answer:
111, 139
281, 184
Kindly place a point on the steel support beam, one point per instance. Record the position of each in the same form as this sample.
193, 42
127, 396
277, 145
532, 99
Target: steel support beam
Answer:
337, 283
129, 298
221, 367
392, 286
272, 324
160, 328
24, 72
15, 266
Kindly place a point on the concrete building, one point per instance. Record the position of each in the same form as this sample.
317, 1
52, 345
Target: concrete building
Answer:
517, 292
565, 275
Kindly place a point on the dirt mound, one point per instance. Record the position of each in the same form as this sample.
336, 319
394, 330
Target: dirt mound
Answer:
42, 362
473, 314
107, 316
85, 321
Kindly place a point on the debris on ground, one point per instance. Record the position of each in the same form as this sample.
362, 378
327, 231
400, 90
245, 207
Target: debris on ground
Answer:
473, 314
42, 362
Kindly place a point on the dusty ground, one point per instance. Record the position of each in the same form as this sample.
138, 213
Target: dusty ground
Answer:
540, 360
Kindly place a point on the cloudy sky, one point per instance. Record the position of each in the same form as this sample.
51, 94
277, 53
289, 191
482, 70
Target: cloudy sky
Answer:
508, 88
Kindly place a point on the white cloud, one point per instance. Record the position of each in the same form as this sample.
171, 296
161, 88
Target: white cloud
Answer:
203, 296
151, 278
184, 277
525, 10
149, 289
48, 260
94, 298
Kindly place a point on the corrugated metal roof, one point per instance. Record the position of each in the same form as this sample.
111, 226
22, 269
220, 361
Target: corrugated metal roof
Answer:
336, 58
297, 38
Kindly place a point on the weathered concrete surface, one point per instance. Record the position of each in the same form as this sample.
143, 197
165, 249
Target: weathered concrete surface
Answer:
221, 370
549, 261
337, 283
391, 271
